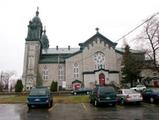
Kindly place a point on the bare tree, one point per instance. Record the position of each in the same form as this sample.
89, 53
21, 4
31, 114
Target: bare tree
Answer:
149, 40
4, 78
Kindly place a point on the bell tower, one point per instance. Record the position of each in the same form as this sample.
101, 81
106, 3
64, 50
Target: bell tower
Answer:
32, 52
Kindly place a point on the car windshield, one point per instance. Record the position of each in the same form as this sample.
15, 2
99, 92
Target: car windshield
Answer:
155, 90
140, 86
38, 92
107, 89
129, 91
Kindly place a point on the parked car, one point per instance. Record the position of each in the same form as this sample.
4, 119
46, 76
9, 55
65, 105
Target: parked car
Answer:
40, 96
128, 96
151, 95
103, 95
85, 91
139, 88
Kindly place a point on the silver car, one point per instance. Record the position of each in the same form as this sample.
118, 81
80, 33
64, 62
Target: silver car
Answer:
128, 96
139, 88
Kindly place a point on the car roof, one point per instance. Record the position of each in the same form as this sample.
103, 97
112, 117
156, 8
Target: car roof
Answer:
140, 85
127, 89
44, 88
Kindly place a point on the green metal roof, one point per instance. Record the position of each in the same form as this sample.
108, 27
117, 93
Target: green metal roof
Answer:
53, 58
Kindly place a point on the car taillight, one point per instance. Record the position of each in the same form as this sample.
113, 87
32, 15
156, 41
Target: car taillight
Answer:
141, 96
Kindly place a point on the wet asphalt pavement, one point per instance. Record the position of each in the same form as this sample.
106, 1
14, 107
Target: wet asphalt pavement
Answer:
82, 111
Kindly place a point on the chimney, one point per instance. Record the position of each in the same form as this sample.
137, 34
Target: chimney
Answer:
69, 47
57, 47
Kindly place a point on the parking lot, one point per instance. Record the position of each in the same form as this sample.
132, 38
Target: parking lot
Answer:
81, 111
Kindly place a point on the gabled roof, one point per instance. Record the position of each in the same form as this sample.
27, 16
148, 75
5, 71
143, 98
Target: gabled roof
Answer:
94, 38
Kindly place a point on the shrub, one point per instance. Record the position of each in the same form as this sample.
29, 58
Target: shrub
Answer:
53, 87
19, 86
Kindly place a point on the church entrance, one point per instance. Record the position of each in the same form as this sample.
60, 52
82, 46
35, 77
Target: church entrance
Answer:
101, 79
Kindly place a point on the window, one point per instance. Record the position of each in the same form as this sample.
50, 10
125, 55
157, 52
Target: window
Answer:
76, 71
45, 73
99, 59
61, 73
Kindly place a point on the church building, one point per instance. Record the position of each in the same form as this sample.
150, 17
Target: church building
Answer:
97, 61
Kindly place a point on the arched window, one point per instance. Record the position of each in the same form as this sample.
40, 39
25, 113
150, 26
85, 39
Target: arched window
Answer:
76, 71
61, 73
45, 73
99, 59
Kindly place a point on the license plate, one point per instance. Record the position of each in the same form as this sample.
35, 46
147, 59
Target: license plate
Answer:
107, 98
37, 99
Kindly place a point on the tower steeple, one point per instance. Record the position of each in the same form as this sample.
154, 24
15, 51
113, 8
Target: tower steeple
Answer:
44, 40
32, 52
34, 28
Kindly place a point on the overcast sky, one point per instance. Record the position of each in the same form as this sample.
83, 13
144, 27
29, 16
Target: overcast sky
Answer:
68, 22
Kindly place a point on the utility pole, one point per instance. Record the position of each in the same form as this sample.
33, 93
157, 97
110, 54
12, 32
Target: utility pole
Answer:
58, 76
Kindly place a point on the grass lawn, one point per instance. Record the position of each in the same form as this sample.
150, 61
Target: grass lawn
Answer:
12, 99
71, 99
6, 99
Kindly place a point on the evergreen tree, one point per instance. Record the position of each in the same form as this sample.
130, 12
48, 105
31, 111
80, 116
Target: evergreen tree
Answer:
131, 67
53, 87
19, 86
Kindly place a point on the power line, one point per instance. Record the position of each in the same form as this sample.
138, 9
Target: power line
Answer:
137, 27
102, 49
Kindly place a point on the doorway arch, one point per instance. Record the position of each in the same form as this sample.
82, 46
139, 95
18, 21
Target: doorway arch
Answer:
101, 79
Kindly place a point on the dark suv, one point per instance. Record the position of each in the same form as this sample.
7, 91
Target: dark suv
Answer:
103, 95
40, 96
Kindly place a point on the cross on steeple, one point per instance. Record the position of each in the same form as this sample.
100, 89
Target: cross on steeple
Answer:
44, 29
97, 29
37, 12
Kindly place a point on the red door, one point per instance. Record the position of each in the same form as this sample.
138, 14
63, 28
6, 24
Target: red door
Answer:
155, 83
101, 79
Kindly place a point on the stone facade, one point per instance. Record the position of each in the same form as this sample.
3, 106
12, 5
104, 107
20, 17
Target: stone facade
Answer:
96, 61
31, 58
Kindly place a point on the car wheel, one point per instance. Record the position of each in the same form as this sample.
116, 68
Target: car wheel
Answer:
48, 105
90, 101
151, 100
113, 104
96, 103
29, 106
51, 102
